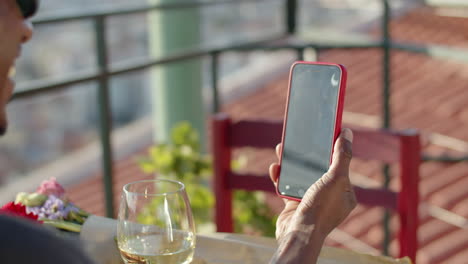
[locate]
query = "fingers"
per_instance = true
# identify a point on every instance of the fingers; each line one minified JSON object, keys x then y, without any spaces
{"x":278,"y":150}
{"x":274,"y":168}
{"x":274,"y":173}
{"x":342,"y":153}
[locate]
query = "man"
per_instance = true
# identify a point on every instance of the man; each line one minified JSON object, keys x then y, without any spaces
{"x":15,"y":30}
{"x":301,"y":227}
{"x":23,"y":241}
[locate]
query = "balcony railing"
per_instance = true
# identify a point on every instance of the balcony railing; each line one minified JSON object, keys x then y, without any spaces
{"x":281,"y":42}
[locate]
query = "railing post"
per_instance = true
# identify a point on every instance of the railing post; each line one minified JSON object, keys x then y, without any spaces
{"x":214,"y":81}
{"x":386,"y":111}
{"x":105,"y":116}
{"x":386,"y":44}
{"x":291,"y":16}
{"x":300,"y":54}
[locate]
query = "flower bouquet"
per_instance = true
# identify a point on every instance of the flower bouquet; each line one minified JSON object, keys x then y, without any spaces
{"x":48,"y":205}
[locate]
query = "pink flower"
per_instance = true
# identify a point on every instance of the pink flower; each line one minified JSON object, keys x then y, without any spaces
{"x":51,"y":187}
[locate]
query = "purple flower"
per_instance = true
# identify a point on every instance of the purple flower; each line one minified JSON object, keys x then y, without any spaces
{"x":53,"y":208}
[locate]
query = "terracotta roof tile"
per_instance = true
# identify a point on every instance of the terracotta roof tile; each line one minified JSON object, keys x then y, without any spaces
{"x":461,"y":209}
{"x":89,"y":194}
{"x":359,"y":225}
{"x":356,"y":213}
{"x":443,"y":30}
{"x":457,"y":190}
{"x":429,"y":169}
{"x":433,"y":230}
{"x":459,"y":257}
{"x":428,"y":94}
{"x":443,"y":178}
{"x":439,"y":250}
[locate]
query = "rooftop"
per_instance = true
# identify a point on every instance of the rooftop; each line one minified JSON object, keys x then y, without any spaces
{"x":427,"y":94}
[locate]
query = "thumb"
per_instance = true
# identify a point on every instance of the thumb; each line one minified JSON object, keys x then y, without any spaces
{"x":342,"y":153}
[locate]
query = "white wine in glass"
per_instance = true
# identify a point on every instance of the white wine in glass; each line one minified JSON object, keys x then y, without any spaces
{"x":155,"y":223}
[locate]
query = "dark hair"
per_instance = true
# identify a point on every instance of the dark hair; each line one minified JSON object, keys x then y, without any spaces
{"x":28,"y":7}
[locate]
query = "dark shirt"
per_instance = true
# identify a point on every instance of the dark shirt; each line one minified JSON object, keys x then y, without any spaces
{"x":23,"y":241}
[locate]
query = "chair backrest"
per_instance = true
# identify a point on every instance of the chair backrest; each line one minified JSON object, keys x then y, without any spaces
{"x":402,"y":148}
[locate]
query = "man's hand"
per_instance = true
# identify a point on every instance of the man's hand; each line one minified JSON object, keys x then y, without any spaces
{"x":325,"y":205}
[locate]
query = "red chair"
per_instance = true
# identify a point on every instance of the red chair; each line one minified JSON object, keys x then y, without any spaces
{"x":402,"y":148}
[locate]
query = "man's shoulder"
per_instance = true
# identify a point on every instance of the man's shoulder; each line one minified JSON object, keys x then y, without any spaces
{"x":27,"y":242}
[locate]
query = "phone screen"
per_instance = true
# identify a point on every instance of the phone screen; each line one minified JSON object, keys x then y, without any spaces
{"x":309,"y":128}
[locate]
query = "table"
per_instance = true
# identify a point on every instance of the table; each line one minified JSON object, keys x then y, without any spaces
{"x":98,"y":235}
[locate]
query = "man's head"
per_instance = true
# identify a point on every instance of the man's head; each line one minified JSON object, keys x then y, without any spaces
{"x":15,"y":30}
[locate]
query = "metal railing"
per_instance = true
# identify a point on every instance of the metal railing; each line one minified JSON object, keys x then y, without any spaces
{"x":104,"y":71}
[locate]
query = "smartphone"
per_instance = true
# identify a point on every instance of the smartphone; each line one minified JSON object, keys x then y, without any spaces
{"x":312,"y":124}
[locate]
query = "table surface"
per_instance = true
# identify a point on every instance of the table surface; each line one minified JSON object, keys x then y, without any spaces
{"x":237,"y":248}
{"x":98,"y":238}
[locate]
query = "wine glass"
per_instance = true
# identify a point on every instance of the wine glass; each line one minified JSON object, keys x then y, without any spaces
{"x":155,"y":223}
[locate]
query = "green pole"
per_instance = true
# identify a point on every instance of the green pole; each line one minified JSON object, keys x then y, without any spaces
{"x":176,"y":87}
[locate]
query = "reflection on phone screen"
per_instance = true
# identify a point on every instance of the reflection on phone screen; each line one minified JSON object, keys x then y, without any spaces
{"x":309,"y":127}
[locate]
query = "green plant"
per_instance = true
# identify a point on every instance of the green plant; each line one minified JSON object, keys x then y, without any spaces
{"x":181,"y":159}
{"x":252,"y":215}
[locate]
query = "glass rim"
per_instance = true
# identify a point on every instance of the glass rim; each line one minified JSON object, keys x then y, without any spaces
{"x":178,"y":183}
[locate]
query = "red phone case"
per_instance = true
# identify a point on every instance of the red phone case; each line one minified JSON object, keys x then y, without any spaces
{"x":339,"y":112}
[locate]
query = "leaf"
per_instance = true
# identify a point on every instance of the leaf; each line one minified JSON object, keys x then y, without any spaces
{"x":181,"y":158}
{"x":183,"y":133}
{"x":147,"y":167}
{"x":60,"y":224}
